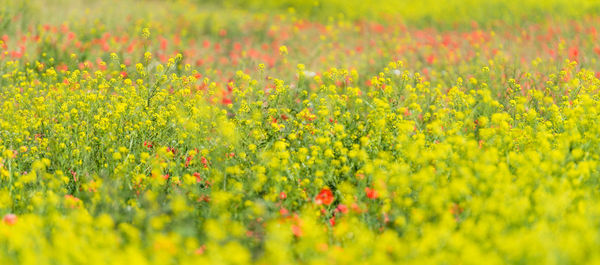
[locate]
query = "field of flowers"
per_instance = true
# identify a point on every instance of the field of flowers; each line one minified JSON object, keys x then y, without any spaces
{"x":310,"y":132}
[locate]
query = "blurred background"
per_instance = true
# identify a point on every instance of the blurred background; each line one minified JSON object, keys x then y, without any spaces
{"x":437,"y":13}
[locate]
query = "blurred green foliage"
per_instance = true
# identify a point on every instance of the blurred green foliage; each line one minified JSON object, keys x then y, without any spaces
{"x":424,"y":12}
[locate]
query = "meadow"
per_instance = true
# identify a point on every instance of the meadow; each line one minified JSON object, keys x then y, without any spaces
{"x":299,"y":132}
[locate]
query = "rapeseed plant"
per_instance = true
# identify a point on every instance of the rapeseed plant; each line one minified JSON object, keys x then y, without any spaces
{"x":307,"y":136}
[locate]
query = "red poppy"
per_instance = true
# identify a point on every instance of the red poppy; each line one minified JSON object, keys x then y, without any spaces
{"x":198,"y":176}
{"x":226,"y":101}
{"x":188,"y":160}
{"x":204,"y":162}
{"x":371,"y":193}
{"x":200,"y":250}
{"x":10,"y":219}
{"x":296,"y":230}
{"x":332,"y":221}
{"x":573,"y":53}
{"x":324,"y":197}
{"x":342,"y":208}
{"x":283,"y":211}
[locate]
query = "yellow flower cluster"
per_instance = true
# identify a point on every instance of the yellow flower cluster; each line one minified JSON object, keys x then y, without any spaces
{"x":280,"y":139}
